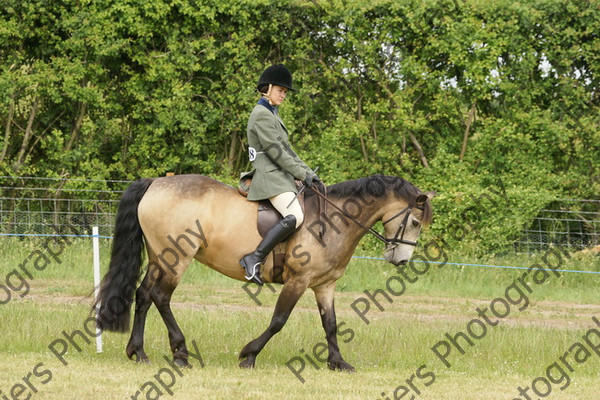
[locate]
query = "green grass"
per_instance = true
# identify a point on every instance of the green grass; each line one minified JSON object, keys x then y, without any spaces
{"x":219,"y":316}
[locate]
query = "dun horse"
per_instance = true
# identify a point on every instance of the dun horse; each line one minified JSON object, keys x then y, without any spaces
{"x":183,"y":217}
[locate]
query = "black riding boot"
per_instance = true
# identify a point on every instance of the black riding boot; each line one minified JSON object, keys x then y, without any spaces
{"x":251,"y":262}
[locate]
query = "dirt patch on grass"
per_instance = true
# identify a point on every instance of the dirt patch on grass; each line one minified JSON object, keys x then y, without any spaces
{"x":421,"y":309}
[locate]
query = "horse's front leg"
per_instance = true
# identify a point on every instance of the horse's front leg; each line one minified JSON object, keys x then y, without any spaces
{"x":290,"y":294}
{"x":324,"y":295}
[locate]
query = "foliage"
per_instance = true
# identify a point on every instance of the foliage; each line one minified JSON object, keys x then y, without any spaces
{"x":454,"y":95}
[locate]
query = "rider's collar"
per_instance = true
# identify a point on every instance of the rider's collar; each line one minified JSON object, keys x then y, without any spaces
{"x":264,"y":102}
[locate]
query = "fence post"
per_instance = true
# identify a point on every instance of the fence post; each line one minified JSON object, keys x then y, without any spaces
{"x":96,"y":247}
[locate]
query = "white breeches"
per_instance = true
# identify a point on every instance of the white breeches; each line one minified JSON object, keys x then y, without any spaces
{"x":281,"y":203}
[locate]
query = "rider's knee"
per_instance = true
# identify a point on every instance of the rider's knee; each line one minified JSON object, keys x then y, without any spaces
{"x":296,"y":219}
{"x":299,"y":219}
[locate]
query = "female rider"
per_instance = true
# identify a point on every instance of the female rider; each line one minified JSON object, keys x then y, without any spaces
{"x":275,"y":164}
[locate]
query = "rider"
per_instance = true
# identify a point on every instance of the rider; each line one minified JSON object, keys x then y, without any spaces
{"x":275,"y":164}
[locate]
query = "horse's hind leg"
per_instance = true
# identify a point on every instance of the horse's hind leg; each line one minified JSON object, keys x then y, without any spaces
{"x":324,"y":295}
{"x":161,"y":295}
{"x":289,"y":296}
{"x":143,"y":301}
{"x":172,"y":264}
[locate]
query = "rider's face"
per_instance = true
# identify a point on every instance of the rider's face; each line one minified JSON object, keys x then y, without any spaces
{"x":277,"y":95}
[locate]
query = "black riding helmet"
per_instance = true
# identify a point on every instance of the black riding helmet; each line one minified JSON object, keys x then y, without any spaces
{"x":276,"y":75}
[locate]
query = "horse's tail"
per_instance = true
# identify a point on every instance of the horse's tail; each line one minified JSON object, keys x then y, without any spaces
{"x":119,"y":283}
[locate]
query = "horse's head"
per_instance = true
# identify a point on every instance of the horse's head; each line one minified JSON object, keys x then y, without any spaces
{"x":403,"y":225}
{"x":400,"y":205}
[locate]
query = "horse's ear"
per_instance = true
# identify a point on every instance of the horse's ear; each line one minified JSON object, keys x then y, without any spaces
{"x":422,"y":198}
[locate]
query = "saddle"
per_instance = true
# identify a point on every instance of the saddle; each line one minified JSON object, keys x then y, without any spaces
{"x":268,"y":217}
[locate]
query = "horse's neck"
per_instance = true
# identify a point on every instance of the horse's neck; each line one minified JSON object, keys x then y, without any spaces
{"x":346,"y":218}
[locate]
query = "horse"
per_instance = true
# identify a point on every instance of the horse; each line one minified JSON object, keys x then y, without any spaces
{"x":184,"y":217}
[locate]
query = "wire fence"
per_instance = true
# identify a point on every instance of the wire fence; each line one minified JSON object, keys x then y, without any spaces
{"x":59,"y":206}
{"x":570,"y":223}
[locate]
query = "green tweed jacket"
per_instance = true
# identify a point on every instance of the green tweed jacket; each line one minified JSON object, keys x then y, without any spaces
{"x":275,"y":164}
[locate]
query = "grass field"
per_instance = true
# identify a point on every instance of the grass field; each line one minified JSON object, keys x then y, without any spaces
{"x":540,"y":345}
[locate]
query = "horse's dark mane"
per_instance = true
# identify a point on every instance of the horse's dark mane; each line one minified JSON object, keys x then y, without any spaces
{"x":378,"y":186}
{"x":375,"y":186}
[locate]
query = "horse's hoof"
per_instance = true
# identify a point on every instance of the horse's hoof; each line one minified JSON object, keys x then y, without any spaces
{"x":138,"y":357}
{"x":340,"y":366}
{"x":247,"y":364}
{"x":182,"y":362}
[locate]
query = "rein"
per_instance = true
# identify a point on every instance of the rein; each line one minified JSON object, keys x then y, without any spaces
{"x":393,"y":241}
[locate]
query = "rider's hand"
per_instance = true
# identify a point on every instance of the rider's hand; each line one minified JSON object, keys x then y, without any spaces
{"x":311,"y":179}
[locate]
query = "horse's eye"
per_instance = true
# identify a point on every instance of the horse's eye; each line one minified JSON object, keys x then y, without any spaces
{"x":415,"y":223}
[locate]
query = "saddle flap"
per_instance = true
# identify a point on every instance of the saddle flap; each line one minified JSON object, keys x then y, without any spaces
{"x":268,"y":217}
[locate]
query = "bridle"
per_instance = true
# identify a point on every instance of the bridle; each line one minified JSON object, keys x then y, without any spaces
{"x":395,"y":241}
{"x":401,"y":229}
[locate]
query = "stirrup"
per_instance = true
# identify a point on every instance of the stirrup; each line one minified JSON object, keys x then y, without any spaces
{"x":255,"y":268}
